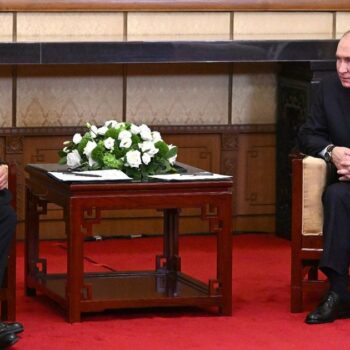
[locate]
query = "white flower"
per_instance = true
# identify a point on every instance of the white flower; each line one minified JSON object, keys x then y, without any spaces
{"x":89,"y":148}
{"x":109,"y":143}
{"x":133,"y":159}
{"x":172,"y":160}
{"x":126,"y":142}
{"x":156,"y":136}
{"x":134,"y":149}
{"x":77,"y":138}
{"x":73,"y":159}
{"x":93,"y":131}
{"x":146,"y":158}
{"x":102,"y":130}
{"x":134,"y":129}
{"x":91,"y":162}
{"x":124,"y":134}
{"x":120,"y":125}
{"x":148,"y":147}
{"x":145,"y":132}
{"x":111,"y":123}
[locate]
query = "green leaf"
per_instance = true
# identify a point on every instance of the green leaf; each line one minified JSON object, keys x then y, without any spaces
{"x":171,"y":153}
{"x":163,"y":148}
{"x":83,"y":144}
{"x":112,"y":132}
{"x":63,"y":160}
{"x":111,"y":162}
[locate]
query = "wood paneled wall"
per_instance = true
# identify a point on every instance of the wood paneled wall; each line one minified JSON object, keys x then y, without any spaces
{"x":245,"y":152}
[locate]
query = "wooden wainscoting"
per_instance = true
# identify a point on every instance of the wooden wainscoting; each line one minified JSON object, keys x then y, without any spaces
{"x":255,"y":197}
{"x":245,"y":152}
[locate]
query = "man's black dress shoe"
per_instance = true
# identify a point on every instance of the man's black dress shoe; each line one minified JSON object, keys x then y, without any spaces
{"x":330,"y":309}
{"x":7,"y":340}
{"x":11,"y":327}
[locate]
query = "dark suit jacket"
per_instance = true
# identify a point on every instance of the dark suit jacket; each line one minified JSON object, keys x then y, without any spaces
{"x":329,"y":120}
{"x":5,"y":197}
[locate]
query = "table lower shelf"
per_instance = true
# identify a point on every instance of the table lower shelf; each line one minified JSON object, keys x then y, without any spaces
{"x":130,"y":290}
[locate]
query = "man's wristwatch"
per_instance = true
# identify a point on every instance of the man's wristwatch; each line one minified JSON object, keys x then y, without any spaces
{"x":328,"y":154}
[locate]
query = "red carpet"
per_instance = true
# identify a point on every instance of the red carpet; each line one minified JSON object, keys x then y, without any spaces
{"x":261,"y":317}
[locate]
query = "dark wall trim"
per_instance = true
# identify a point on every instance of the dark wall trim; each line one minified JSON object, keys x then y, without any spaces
{"x":174,"y":5}
{"x":166,"y":129}
{"x":167,"y":52}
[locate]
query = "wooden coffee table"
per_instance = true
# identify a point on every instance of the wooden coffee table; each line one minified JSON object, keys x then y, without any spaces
{"x":166,"y":285}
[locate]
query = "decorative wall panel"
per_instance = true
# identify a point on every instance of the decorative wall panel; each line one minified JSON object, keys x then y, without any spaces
{"x":178,"y":94}
{"x":256,"y":175}
{"x":178,"y":26}
{"x":68,"y":96}
{"x":6,"y":26}
{"x":254,"y":93}
{"x":342,"y":23}
{"x":5,"y":96}
{"x":69,"y":26}
{"x":282,"y":25}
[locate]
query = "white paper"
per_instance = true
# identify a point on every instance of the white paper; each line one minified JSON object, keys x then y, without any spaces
{"x":191,"y":177}
{"x":100,"y":175}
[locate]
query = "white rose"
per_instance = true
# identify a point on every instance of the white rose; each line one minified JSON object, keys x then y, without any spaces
{"x":120,"y":125}
{"x":65,"y":150}
{"x":146,"y":158}
{"x":145,"y":132}
{"x":77,"y":138}
{"x":89,"y":148}
{"x":172,"y":160}
{"x":133,"y":159}
{"x":111,"y":123}
{"x":73,"y":159}
{"x":109,"y":143}
{"x":134,"y":129}
{"x":148,"y":146}
{"x":156,"y":136}
{"x":124,"y":134}
{"x":102,"y":130}
{"x":125,"y":142}
{"x":91,"y":162}
{"x":93,"y":131}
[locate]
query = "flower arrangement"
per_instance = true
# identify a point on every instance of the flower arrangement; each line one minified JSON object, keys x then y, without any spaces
{"x":136,"y":150}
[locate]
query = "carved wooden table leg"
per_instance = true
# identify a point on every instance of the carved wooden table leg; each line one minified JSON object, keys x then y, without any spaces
{"x":224,"y":262}
{"x":171,"y":240}
{"x":31,"y":240}
{"x":75,"y":268}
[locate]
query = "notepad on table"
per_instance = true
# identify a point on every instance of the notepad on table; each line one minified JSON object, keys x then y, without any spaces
{"x":90,"y":175}
{"x":191,"y":177}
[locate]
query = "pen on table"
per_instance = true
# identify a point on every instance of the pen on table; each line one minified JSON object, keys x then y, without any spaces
{"x":200,"y":173}
{"x":80,"y":174}
{"x":203,"y":173}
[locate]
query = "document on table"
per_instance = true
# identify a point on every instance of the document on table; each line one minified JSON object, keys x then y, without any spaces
{"x":90,"y":175}
{"x":191,"y":177}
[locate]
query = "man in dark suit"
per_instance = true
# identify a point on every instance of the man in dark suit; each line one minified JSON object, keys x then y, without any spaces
{"x":326,"y":133}
{"x":8,"y":331}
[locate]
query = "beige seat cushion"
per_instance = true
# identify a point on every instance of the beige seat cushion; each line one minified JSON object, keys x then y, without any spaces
{"x":314,"y":182}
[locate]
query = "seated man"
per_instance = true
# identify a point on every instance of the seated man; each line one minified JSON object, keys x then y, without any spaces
{"x":326,"y":134}
{"x":8,"y":331}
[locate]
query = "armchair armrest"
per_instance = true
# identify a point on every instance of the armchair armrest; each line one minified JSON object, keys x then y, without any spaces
{"x":314,"y":180}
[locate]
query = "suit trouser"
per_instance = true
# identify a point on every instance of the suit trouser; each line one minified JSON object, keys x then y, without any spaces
{"x":7,"y":229}
{"x":336,"y":228}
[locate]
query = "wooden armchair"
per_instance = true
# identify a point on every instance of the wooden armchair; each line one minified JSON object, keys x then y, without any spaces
{"x":309,"y":178}
{"x":8,"y":288}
